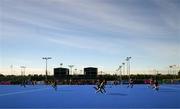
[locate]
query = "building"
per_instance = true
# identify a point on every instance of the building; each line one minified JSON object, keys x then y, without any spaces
{"x":61,"y":72}
{"x":90,"y":72}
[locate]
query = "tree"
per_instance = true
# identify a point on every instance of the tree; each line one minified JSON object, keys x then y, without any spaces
{"x":1,"y":75}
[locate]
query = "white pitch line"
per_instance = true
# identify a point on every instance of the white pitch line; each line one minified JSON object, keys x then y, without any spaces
{"x":13,"y":93}
{"x":170,"y":87}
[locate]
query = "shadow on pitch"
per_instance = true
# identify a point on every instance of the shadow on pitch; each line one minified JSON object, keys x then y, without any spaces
{"x":117,"y":94}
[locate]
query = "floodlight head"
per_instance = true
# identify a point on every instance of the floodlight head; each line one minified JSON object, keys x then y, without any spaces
{"x":128,"y":58}
{"x":123,"y":63}
{"x":46,"y":58}
{"x":23,"y":67}
{"x":71,"y":66}
{"x":49,"y":58}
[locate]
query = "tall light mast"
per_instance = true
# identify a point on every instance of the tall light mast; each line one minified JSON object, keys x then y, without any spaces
{"x":71,"y":66}
{"x":128,"y":66}
{"x":46,"y":59}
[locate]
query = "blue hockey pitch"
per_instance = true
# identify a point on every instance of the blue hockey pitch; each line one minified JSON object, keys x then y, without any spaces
{"x":84,"y":96}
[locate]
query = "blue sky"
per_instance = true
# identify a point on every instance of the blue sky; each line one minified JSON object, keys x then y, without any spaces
{"x":99,"y":33}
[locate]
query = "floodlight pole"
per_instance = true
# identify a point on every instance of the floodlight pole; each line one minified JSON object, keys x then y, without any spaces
{"x":128,"y":66}
{"x":23,"y":70}
{"x":123,"y":65}
{"x":71,"y":66}
{"x":11,"y":69}
{"x":81,"y":71}
{"x":46,"y":58}
{"x":170,"y":69}
{"x":120,"y":69}
{"x":174,"y":71}
{"x":75,"y":71}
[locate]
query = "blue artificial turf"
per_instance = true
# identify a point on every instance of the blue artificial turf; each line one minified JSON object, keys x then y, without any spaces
{"x":84,"y":96}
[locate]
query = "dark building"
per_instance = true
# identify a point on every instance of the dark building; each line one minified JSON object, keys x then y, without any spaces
{"x":90,"y":71}
{"x":61,"y":72}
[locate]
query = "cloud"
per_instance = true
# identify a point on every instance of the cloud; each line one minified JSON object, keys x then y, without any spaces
{"x":97,"y":16}
{"x":126,"y":17}
{"x":141,"y":28}
{"x":82,"y":42}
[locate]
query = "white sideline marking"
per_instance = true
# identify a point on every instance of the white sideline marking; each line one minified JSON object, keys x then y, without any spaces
{"x":13,"y":93}
{"x":170,"y":87}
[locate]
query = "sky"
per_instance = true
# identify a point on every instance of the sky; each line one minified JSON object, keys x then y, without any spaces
{"x":83,"y":33}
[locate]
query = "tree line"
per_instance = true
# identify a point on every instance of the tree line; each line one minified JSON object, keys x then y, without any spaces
{"x":138,"y":78}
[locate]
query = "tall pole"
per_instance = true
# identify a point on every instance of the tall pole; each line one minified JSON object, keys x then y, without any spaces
{"x":174,"y":71}
{"x":170,"y":69}
{"x":71,"y":66}
{"x":123,"y":72}
{"x":46,"y":58}
{"x":120,"y":70}
{"x":81,"y":71}
{"x":75,"y":71}
{"x":23,"y":73}
{"x":128,"y":66}
{"x":123,"y":65}
{"x":23,"y":70}
{"x":11,"y":69}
